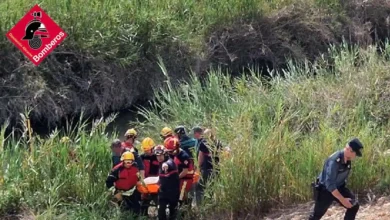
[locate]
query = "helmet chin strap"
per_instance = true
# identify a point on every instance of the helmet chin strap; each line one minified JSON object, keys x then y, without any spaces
{"x":131,"y":163}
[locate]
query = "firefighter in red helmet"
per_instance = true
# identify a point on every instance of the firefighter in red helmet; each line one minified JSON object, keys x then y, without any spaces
{"x":185,"y":167}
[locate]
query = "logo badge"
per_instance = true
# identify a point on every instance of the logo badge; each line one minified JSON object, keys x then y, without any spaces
{"x":36,"y":35}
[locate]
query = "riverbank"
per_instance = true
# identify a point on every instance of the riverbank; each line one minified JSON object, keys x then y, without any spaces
{"x":280,"y":131}
{"x":108,"y":60}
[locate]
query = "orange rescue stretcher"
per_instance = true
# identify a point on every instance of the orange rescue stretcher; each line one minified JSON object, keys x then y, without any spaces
{"x":149,"y":191}
{"x":152,"y":186}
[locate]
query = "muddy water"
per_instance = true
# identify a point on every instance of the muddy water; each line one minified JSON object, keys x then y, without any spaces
{"x":121,"y":123}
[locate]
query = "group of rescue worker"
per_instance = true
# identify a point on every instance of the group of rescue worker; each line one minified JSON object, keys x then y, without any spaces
{"x":173,"y":162}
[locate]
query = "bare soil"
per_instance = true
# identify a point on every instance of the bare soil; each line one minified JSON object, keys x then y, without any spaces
{"x":378,"y":209}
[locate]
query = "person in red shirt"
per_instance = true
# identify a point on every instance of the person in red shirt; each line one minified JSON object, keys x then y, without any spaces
{"x":185,"y":167}
{"x":122,"y":180}
{"x":129,"y":142}
{"x":148,"y":158}
{"x":128,"y":145}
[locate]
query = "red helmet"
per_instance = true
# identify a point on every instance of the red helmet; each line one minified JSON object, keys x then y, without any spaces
{"x":172,"y":144}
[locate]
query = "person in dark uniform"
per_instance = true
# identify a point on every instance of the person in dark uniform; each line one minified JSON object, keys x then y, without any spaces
{"x":169,"y":190}
{"x":205,"y":163}
{"x":216,"y":149}
{"x":187,"y":143}
{"x":184,"y":165}
{"x":331,"y":183}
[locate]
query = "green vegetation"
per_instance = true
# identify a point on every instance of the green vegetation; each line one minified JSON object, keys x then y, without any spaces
{"x":51,"y":182}
{"x":124,"y":28}
{"x":112,"y":48}
{"x":280,"y":132}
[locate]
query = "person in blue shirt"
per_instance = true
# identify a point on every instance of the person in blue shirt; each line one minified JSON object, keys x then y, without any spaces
{"x":331,"y":183}
{"x":187,"y":143}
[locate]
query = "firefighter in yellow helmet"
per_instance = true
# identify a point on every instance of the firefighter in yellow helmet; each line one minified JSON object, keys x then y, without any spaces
{"x":122,"y":180}
{"x":148,"y":158}
{"x":166,"y":132}
{"x":128,"y":145}
{"x":130,"y":137}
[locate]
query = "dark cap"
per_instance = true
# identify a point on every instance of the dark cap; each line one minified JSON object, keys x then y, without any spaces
{"x":197,"y":129}
{"x":180,"y":130}
{"x":356,"y":146}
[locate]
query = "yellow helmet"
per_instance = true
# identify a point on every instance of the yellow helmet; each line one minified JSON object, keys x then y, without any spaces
{"x":131,"y":132}
{"x":166,"y":131}
{"x":127,"y":156}
{"x":147,"y":144}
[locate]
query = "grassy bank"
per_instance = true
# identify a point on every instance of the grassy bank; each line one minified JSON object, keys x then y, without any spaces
{"x":110,"y":54}
{"x":280,"y":132}
{"x":109,"y":26}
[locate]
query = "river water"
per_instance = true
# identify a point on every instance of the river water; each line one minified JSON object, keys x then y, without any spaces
{"x":119,"y":125}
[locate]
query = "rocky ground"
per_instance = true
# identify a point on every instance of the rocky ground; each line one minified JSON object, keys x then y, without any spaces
{"x":378,"y":209}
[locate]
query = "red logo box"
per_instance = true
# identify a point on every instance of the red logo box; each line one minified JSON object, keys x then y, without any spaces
{"x":36,"y":35}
